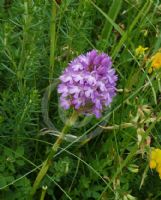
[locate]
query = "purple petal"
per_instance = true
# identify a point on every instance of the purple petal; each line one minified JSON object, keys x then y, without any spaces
{"x":77,"y":67}
{"x":66,"y":78}
{"x":65,"y":103}
{"x":74,"y":89}
{"x":97,"y":113}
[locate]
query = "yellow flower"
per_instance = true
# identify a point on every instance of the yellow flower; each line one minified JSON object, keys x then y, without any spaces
{"x":158,"y":169}
{"x":158,"y":156}
{"x":156,"y":60}
{"x":155,"y":160}
{"x":140,"y":50}
{"x":153,"y":154}
{"x":152,"y":164}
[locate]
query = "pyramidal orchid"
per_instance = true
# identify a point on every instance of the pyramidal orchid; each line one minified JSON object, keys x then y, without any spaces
{"x":88,"y":84}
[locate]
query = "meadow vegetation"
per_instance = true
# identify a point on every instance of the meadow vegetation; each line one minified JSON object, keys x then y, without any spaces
{"x":115,"y":157}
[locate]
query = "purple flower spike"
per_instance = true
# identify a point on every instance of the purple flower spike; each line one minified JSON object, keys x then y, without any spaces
{"x":88,"y":84}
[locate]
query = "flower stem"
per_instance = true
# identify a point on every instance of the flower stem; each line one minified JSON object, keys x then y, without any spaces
{"x":46,"y":164}
{"x":44,"y":189}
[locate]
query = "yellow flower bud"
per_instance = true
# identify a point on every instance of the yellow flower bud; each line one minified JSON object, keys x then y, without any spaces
{"x":140,"y":50}
{"x":150,"y":70}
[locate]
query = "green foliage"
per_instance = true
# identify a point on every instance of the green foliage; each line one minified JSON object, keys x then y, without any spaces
{"x":37,"y":40}
{"x":19,"y":110}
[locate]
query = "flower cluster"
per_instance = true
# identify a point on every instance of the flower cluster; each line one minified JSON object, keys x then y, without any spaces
{"x":88,"y":83}
{"x":155,"y":160}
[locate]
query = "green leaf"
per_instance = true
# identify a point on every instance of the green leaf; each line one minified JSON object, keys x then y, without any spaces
{"x":2,"y":167}
{"x":20,"y":162}
{"x":3,"y":181}
{"x":19,"y":152}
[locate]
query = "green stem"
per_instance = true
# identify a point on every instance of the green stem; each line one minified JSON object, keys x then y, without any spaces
{"x":44,"y":188}
{"x":46,"y":164}
{"x":113,"y":12}
{"x":159,"y":83}
{"x":115,"y":126}
{"x":52,"y":39}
